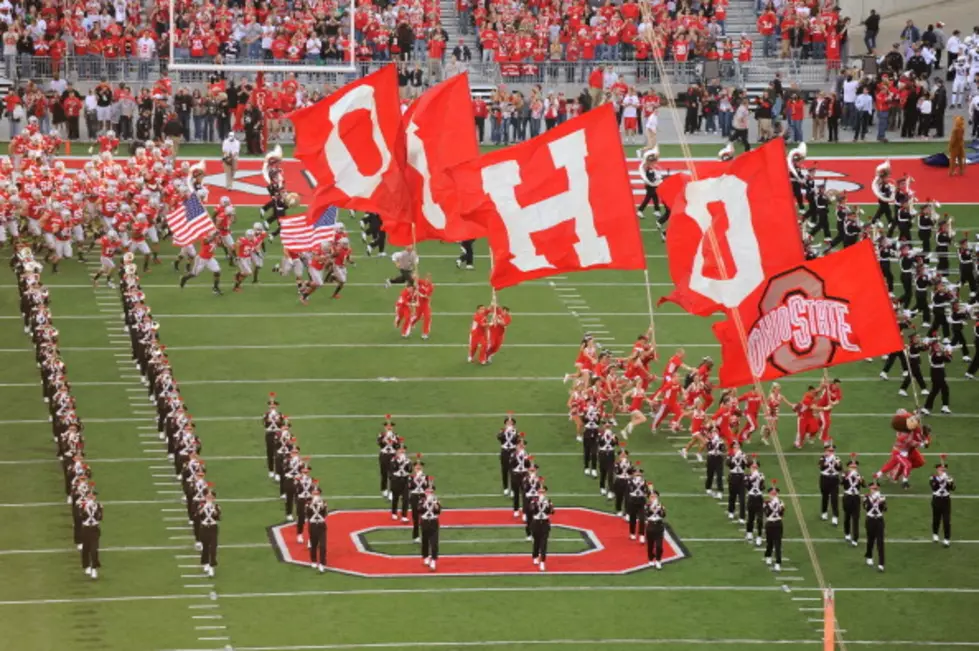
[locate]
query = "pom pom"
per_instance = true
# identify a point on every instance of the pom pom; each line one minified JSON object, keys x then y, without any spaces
{"x":387,"y":416}
{"x":622,"y":444}
{"x":521,"y":435}
{"x":271,"y":394}
{"x":638,"y":463}
{"x":418,"y":455}
{"x":853,"y":455}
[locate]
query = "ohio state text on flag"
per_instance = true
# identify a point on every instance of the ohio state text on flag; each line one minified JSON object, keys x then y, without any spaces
{"x":347,"y":142}
{"x":749,"y":206}
{"x":437,"y":135}
{"x":824,"y":312}
{"x":559,"y":202}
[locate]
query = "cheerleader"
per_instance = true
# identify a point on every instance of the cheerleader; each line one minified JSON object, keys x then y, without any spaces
{"x":773,"y":402}
{"x":586,"y":360}
{"x":637,"y":398}
{"x":698,"y":430}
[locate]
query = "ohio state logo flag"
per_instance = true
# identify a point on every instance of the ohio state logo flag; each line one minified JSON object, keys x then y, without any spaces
{"x":821,"y":313}
{"x":348,"y":140}
{"x":747,"y":206}
{"x":559,"y":202}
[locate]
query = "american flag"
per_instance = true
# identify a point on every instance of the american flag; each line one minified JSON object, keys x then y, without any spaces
{"x":190,"y":222}
{"x":299,"y":236}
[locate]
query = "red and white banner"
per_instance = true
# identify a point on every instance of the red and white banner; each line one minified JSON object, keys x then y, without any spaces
{"x":559,"y":202}
{"x":437,"y":135}
{"x":731,"y":230}
{"x":820,"y":313}
{"x":347,"y":141}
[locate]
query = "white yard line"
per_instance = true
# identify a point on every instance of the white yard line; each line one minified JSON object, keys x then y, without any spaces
{"x":304,"y":345}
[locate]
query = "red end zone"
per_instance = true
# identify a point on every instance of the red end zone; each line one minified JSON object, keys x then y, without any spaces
{"x":852,"y":175}
{"x":610,"y":550}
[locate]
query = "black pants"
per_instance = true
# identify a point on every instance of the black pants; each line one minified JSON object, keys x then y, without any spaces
{"x":736,"y":492}
{"x":941,"y":513}
{"x":466,"y":258}
{"x":480,"y":128}
{"x":741,"y":135}
{"x":895,"y":357}
{"x":90,"y":547}
{"x":938,"y":384}
{"x":715,"y":472}
{"x":654,"y":541}
{"x":914,"y":372}
{"x":430,"y":539}
{"x":505,"y":457}
{"x":833,"y":125}
{"x":403,"y":277}
{"x":384,"y":463}
{"x":922,"y":306}
{"x":317,"y":543}
{"x":773,"y":540}
{"x":822,"y":224}
{"x":209,"y":542}
{"x":940,"y":320}
{"x":290,"y":486}
{"x":301,"y":514}
{"x":414,"y":499}
{"x":829,"y":488}
{"x":589,"y":448}
{"x":755,"y":518}
{"x":967,"y":276}
{"x":541,"y":531}
{"x":863,"y":124}
{"x":974,"y":366}
{"x":619,"y":490}
{"x":885,"y":269}
{"x":399,"y":494}
{"x":634,"y":508}
{"x":925,"y":237}
{"x":516,"y":485}
{"x":605,"y":462}
{"x":906,"y":283}
{"x":958,"y":339}
{"x":875,"y":536}
{"x":650,"y":196}
{"x":883,"y":210}
{"x":851,"y":516}
{"x":73,"y":130}
{"x":270,"y":450}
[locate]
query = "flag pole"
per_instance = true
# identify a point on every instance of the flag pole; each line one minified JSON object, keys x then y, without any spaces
{"x":735,"y":315}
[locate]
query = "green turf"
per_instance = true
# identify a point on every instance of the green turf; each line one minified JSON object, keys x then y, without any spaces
{"x":332,"y":365}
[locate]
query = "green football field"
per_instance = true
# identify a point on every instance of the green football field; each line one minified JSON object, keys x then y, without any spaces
{"x":338,"y":367}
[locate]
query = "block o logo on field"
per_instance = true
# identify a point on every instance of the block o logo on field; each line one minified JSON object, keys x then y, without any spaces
{"x":607,"y":548}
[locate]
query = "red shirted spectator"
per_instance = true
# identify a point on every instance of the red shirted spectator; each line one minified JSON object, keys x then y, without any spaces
{"x":681,"y":49}
{"x":279,"y":47}
{"x":744,"y":53}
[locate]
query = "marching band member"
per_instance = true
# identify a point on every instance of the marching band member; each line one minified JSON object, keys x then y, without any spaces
{"x":541,"y":510}
{"x":622,"y":471}
{"x":431,"y":509}
{"x":884,"y":190}
{"x":399,"y":470}
{"x":830,"y":468}
{"x":316,"y":513}
{"x":530,"y":489}
{"x":774,"y":511}
{"x":655,"y":516}
{"x":508,"y":438}
{"x":589,"y":440}
{"x":91,"y":527}
{"x":716,"y":452}
{"x":303,"y":490}
{"x":637,"y":492}
{"x":852,"y":483}
{"x":417,"y":485}
{"x":756,"y":497}
{"x":942,"y":487}
{"x":959,"y":316}
{"x":938,"y":356}
{"x":209,"y":516}
{"x":913,"y":350}
{"x":798,"y":175}
{"x":388,"y":443}
{"x":608,"y":442}
{"x":967,"y":268}
{"x":652,"y":178}
{"x":875,"y":505}
{"x":737,"y":461}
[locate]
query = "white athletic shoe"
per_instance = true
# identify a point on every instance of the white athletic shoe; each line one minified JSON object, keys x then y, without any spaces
{"x":290,"y":518}
{"x":404,"y":519}
{"x":835,"y":521}
{"x":322,"y":568}
{"x":524,"y":517}
{"x":542,"y":567}
{"x":934,"y":537}
{"x":642,"y":539}
{"x":394,"y":516}
{"x":79,"y":545}
{"x":847,"y":537}
{"x":659,"y":565}
{"x":578,"y":439}
{"x":529,"y":538}
{"x":925,"y":411}
{"x":730,"y":516}
{"x":601,"y":491}
{"x":427,"y":561}
{"x":594,"y":472}
{"x":88,"y":571}
{"x":516,"y":514}
{"x":95,"y":572}
{"x":683,"y":452}
{"x":198,"y":546}
{"x":719,"y":495}
{"x":777,"y":568}
{"x":970,"y":376}
{"x":709,"y":492}
{"x":206,"y":569}
{"x":925,"y":392}
{"x":740,"y":520}
{"x":947,"y":542}
{"x":536,"y":561}
{"x":902,"y":393}
{"x":883,"y":375}
{"x":700,"y":458}
{"x":880,"y":568}
{"x":68,"y":500}
{"x":870,"y":562}
{"x":278,"y":477}
{"x":946,"y":410}
{"x":416,"y":540}
{"x":749,"y":536}
{"x":299,"y":539}
{"x":758,"y":541}
{"x":966,"y":358}
{"x":853,"y":543}
{"x":632,"y":536}
{"x":587,"y":472}
{"x":432,"y":565}
{"x":824,"y":517}
{"x":768,"y":560}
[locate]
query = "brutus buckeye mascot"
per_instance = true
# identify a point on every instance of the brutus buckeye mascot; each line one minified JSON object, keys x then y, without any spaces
{"x":905,"y":455}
